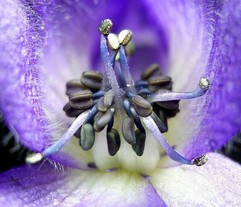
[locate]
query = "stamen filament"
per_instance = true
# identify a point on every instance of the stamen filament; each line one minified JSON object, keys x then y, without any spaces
{"x":151,"y":125}
{"x":120,"y":76}
{"x":125,"y":67}
{"x":67,"y":135}
{"x":109,"y":71}
{"x":170,"y":96}
{"x":110,"y":74}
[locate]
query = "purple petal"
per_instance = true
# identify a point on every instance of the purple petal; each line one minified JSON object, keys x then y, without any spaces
{"x":222,"y":107}
{"x":48,"y":186}
{"x":217,"y":183}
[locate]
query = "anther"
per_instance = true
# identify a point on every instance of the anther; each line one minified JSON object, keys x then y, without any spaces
{"x":106,"y":101}
{"x":137,"y":120}
{"x":87,"y":137}
{"x":113,"y":142}
{"x":128,"y":130}
{"x":74,"y":86}
{"x":150,"y":71}
{"x":113,"y":41}
{"x":200,"y":160}
{"x":105,"y":26}
{"x":102,"y":120}
{"x":124,"y":37}
{"x":72,"y":112}
{"x":101,"y":106}
{"x":171,"y":105}
{"x":159,"y":80}
{"x":80,"y":95}
{"x":142,"y":107}
{"x":162,"y":126}
{"x":109,"y":98}
{"x":92,"y":79}
{"x":81,"y":100}
{"x":163,"y":120}
{"x":204,"y":83}
{"x":33,"y":158}
{"x":139,"y":146}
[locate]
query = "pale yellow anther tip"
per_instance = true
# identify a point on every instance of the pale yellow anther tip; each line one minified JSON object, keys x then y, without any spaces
{"x":33,"y":158}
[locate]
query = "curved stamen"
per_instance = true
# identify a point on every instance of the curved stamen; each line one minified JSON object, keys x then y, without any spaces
{"x":170,"y":96}
{"x":113,"y":57}
{"x":109,"y":71}
{"x":151,"y":125}
{"x":120,"y":76}
{"x":110,"y":74}
{"x":125,"y":67}
{"x":67,"y":135}
{"x":79,"y":121}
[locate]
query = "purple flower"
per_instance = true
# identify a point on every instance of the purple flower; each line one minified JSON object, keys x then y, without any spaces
{"x":46,"y":43}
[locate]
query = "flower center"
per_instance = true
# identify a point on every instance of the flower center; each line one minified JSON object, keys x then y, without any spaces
{"x":121,"y":109}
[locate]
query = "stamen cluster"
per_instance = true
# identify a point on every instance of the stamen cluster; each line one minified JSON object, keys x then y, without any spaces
{"x":114,"y":102}
{"x":89,"y":92}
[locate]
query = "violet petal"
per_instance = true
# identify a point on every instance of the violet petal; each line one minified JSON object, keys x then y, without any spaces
{"x":50,"y":186}
{"x":222,"y":107}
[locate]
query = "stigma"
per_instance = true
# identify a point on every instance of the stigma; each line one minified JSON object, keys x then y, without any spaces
{"x":127,"y":111}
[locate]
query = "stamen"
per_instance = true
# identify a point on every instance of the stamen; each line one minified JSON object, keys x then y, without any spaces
{"x":81,"y":100}
{"x":139,"y":146}
{"x":120,"y":76}
{"x":157,"y":80}
{"x":92,"y":80}
{"x":151,"y":125}
{"x":137,"y":120}
{"x":106,"y":101}
{"x":33,"y":158}
{"x":169,"y":96}
{"x":128,"y":130}
{"x":124,"y":37}
{"x":68,"y":134}
{"x":110,"y":74}
{"x":87,"y":137}
{"x":113,"y":41}
{"x":200,"y":160}
{"x":115,"y":94}
{"x":102,"y":120}
{"x":113,"y":142}
{"x":74,"y":86}
{"x":125,"y":67}
{"x":105,"y":26}
{"x":71,"y":112}
{"x":150,"y":71}
{"x":143,"y":108}
{"x":162,"y":126}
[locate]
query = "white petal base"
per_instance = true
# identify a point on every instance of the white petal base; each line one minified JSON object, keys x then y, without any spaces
{"x":215,"y":184}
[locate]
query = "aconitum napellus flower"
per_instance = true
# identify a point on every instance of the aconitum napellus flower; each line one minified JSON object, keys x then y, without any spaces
{"x":128,"y":97}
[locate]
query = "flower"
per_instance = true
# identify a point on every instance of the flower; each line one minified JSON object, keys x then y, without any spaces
{"x":46,"y":43}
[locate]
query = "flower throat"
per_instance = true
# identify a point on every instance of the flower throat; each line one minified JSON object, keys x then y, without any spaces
{"x":124,"y":108}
